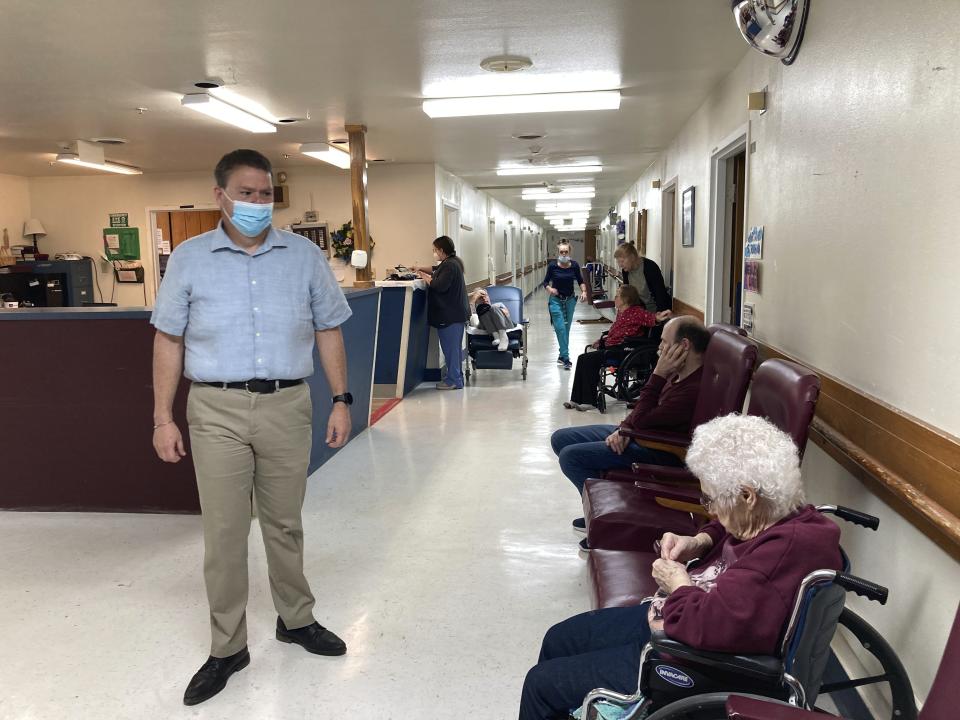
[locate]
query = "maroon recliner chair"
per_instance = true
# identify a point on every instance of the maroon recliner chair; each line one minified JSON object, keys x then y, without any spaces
{"x":942,"y":702}
{"x":783,"y":392}
{"x":727,"y":367}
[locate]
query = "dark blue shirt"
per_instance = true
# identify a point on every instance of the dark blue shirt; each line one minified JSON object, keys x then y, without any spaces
{"x":563,"y":278}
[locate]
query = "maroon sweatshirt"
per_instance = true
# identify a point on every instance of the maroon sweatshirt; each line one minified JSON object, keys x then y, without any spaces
{"x":747,"y":608}
{"x":665,"y":406}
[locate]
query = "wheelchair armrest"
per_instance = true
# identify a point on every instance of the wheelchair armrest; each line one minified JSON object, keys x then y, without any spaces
{"x":744,"y":708}
{"x":603,"y":304}
{"x":655,"y":474}
{"x":760,"y":667}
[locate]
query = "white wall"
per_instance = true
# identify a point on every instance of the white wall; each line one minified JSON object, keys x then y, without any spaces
{"x":854,"y":178}
{"x":15,"y":210}
{"x":476,"y":210}
{"x":75,"y":209}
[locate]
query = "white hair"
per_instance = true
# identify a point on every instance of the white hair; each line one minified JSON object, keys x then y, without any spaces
{"x":737,"y":451}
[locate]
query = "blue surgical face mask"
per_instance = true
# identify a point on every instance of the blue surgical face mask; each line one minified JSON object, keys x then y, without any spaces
{"x":250,"y":219}
{"x":564,"y":259}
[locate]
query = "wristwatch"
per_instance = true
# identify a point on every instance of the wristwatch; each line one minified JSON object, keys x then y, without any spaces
{"x":345,"y":398}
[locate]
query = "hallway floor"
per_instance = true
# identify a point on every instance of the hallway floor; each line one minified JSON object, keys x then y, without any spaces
{"x":438,"y":545}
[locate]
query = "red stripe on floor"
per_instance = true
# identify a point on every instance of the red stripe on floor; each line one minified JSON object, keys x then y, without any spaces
{"x":383,"y":410}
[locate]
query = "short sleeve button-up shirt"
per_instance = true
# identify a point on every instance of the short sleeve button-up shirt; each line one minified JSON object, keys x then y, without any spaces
{"x":244,"y":316}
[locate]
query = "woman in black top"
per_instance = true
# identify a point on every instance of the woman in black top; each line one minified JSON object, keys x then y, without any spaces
{"x":559,"y":282}
{"x":447,"y":308}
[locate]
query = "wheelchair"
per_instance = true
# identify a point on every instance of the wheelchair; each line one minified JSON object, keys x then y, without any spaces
{"x":625,"y":368}
{"x":482,"y":353}
{"x":677,"y":682}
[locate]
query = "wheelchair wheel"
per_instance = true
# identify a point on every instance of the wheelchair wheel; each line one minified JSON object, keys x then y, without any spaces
{"x":708,"y":706}
{"x":633,"y":373}
{"x":892,"y":672}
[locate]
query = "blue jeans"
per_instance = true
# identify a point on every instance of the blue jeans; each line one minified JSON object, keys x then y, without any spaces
{"x":595,"y":649}
{"x":451,"y":343}
{"x":561,"y":315}
{"x":583,"y":453}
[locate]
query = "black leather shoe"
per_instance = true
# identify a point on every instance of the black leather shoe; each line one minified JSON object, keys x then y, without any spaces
{"x":212,"y":677}
{"x":314,"y":638}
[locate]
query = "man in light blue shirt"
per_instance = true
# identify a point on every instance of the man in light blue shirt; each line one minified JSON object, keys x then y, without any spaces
{"x":237,"y":313}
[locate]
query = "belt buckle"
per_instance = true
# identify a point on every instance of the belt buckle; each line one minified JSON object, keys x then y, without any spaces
{"x":268,"y":387}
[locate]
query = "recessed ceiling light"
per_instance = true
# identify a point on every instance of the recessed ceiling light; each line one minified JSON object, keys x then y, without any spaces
{"x":506,"y":63}
{"x":522,"y":104}
{"x":550,"y":170}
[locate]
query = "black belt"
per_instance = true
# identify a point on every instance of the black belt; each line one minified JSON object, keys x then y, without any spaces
{"x":255,"y":386}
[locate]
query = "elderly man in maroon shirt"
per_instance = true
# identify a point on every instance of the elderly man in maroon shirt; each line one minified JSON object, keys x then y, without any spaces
{"x":665,"y":403}
{"x":736,"y":599}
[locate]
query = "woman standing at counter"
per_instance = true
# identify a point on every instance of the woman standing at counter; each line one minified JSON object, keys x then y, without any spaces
{"x":447,"y":308}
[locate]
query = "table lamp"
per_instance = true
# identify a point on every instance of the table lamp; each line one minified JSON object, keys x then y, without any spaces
{"x":33,"y":228}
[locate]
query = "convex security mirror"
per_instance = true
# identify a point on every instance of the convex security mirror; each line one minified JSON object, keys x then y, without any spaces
{"x":773,"y":27}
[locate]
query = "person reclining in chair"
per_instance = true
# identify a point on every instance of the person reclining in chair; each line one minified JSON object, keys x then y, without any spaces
{"x":492,"y":318}
{"x":762,"y":541}
{"x":666,"y":403}
{"x":632,"y":320}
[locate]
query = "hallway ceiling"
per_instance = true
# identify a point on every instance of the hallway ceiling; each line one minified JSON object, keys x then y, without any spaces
{"x":81,"y":70}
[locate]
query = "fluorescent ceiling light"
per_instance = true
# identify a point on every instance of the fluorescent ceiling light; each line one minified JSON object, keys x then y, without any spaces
{"x":572,"y":229}
{"x":522,"y":104}
{"x":568,"y":216}
{"x":521,"y":83}
{"x":550,"y":170}
{"x":74,"y":159}
{"x":562,"y":207}
{"x":566,"y":195}
{"x":244,"y":103}
{"x":225,"y":112}
{"x":327,"y":153}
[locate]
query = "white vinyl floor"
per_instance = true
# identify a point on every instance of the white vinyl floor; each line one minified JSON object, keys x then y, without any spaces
{"x":438,"y":545}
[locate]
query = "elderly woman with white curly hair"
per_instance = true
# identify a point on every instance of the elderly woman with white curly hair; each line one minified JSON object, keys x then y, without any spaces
{"x":762,"y":541}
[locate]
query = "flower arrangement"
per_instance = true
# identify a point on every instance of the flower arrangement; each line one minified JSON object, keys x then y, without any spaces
{"x":342,"y":241}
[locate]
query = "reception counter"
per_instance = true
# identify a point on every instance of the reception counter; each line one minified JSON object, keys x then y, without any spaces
{"x":76,"y":408}
{"x":402,"y":338}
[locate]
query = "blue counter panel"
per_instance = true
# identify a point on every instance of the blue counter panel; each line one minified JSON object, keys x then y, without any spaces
{"x":359,"y":338}
{"x":418,"y":343}
{"x":389,"y":334}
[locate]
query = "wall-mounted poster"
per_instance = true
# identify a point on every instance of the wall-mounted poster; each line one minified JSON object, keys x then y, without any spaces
{"x":753,"y":250}
{"x":751,"y":276}
{"x":688,"y":207}
{"x":746,"y":322}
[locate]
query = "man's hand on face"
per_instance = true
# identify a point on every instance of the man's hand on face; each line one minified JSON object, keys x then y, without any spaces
{"x":671,"y":361}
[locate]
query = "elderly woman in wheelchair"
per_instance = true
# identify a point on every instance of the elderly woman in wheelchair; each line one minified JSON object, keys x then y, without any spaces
{"x":629,"y":331}
{"x":730,"y":590}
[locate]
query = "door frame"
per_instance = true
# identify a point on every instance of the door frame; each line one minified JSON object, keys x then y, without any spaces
{"x":733,"y":144}
{"x":668,"y":233}
{"x":151,"y":213}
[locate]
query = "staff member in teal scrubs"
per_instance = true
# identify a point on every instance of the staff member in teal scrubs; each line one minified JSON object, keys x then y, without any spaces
{"x":238,"y":312}
{"x":559,"y":282}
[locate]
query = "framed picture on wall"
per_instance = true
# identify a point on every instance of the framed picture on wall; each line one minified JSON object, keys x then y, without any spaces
{"x":687,"y":210}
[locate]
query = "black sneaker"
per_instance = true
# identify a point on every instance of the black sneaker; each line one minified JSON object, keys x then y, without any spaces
{"x":212,"y":677}
{"x":584,"y":546}
{"x":580,"y":525}
{"x":560,"y":360}
{"x":567,"y":365}
{"x":313,"y":638}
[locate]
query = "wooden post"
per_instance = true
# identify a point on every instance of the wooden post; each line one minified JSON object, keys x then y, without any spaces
{"x":358,"y":191}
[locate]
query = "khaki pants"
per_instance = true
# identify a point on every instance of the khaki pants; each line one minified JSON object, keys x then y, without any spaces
{"x":247,"y":444}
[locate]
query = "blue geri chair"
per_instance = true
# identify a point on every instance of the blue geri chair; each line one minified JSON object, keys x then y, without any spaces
{"x":482,"y":353}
